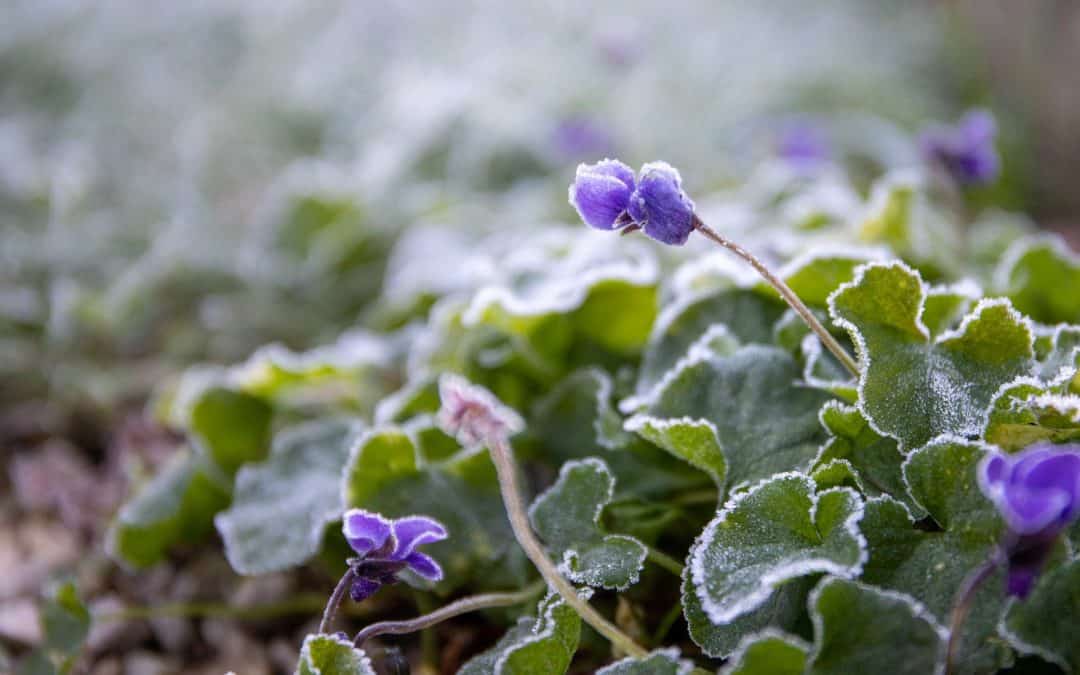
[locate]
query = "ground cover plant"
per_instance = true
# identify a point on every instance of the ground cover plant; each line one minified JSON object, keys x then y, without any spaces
{"x":809,"y":409}
{"x":598,"y":445}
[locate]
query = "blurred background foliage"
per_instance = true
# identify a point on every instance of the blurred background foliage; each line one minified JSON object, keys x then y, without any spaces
{"x":190,"y":181}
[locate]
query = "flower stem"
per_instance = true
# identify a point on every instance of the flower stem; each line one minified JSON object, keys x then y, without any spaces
{"x":664,"y":560}
{"x":785,"y":292}
{"x":965,"y":596}
{"x":335,"y":599}
{"x":519,"y":521}
{"x":456,"y":608}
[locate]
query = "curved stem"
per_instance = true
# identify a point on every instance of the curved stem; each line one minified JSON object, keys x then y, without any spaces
{"x":786,"y":293}
{"x":965,"y":595}
{"x":335,"y":599}
{"x":664,"y":560}
{"x":519,"y":522}
{"x":456,"y":608}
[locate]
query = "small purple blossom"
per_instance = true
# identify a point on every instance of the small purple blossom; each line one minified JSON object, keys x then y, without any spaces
{"x":386,"y":547}
{"x":964,"y":150}
{"x":607,"y":197}
{"x":577,"y":136}
{"x":1037,"y":492}
{"x":803,"y":147}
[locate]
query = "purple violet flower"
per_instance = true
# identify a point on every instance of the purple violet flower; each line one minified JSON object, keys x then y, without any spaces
{"x":576,"y":136}
{"x":1037,"y":492}
{"x":607,"y":197}
{"x":964,"y":150}
{"x":803,"y":147}
{"x":386,"y":547}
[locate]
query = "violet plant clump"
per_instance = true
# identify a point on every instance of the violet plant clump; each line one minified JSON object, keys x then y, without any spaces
{"x":964,"y":150}
{"x":1037,"y":492}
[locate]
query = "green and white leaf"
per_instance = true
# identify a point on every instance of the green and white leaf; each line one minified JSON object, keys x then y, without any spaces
{"x":876,"y":460}
{"x":541,"y":646}
{"x":1029,"y":411}
{"x":763,"y":423}
{"x":660,"y":662}
{"x":567,"y":518}
{"x":1045,"y":622}
{"x":230,"y":427}
{"x":930,"y":565}
{"x":177,"y":506}
{"x":777,"y":531}
{"x":281,"y":507}
{"x":770,"y":652}
{"x":329,"y":655}
{"x":1040,"y":275}
{"x":914,"y":387}
{"x":859,"y":628}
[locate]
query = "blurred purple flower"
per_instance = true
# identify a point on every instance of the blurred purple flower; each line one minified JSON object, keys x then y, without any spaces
{"x":1037,"y":492}
{"x":964,"y":150}
{"x":386,"y":547}
{"x":607,"y":197}
{"x":803,"y":146}
{"x":576,"y":137}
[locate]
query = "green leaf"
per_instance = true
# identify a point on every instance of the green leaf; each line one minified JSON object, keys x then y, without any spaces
{"x":1045,"y":622}
{"x":769,"y":653}
{"x":784,"y":610}
{"x":572,"y":296}
{"x":1062,"y":359}
{"x":814,"y":276}
{"x":912,"y":387}
{"x":693,"y":441}
{"x":1040,"y":275}
{"x":176,"y":507}
{"x":764,"y":423}
{"x":1029,"y":411}
{"x":567,"y":518}
{"x":659,"y":662}
{"x":542,"y":646}
{"x":777,"y":531}
{"x":930,"y":563}
{"x":282,"y":506}
{"x":329,"y":655}
{"x":876,"y":460}
{"x":859,"y":628}
{"x":946,"y":305}
{"x":717,"y":320}
{"x":230,"y":427}
{"x":576,"y":420}
{"x":387,"y":473}
{"x":349,"y":372}
{"x":65,"y":624}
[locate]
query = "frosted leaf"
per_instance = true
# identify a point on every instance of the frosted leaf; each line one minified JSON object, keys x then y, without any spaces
{"x":543,"y":645}
{"x":567,"y":518}
{"x":1040,"y":274}
{"x":929,"y":564}
{"x":763,"y":421}
{"x":1028,"y":410}
{"x":859,"y":628}
{"x":330,"y":655}
{"x":281,"y":507}
{"x":660,"y":662}
{"x":875,"y":460}
{"x":914,"y":387}
{"x":776,"y":531}
{"x":1045,"y":622}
